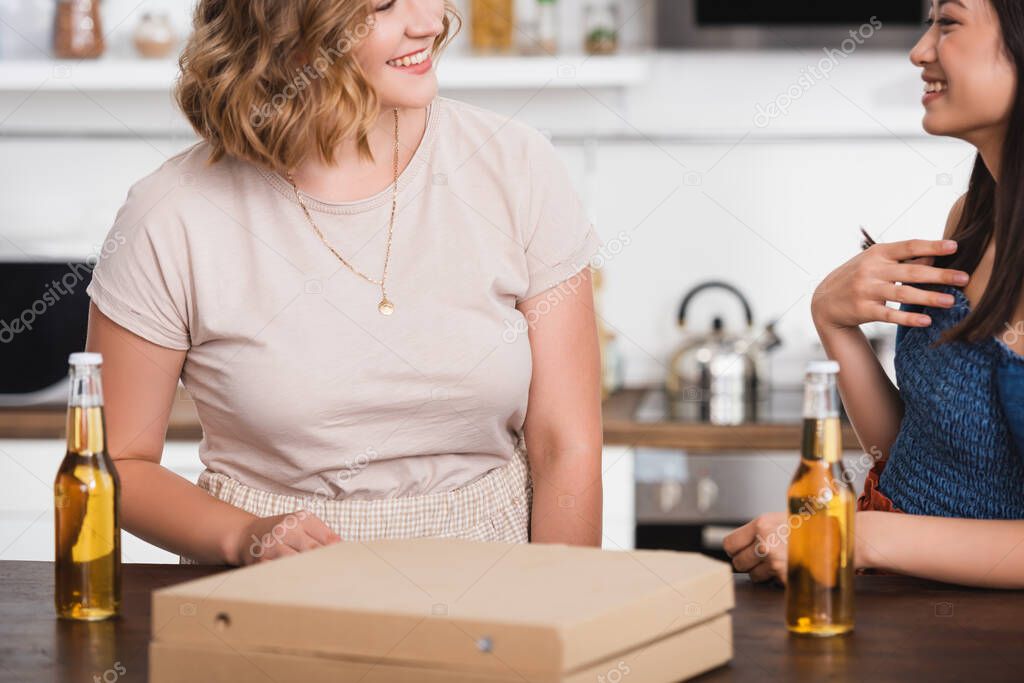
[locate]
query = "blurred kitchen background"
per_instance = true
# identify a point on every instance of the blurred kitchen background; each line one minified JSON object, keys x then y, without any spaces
{"x":740,"y":144}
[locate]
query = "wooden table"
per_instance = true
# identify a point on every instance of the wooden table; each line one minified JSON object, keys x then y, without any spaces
{"x":907,"y":630}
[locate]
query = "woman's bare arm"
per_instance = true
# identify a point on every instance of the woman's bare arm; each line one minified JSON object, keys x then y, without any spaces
{"x":987,"y":553}
{"x":856,"y":293}
{"x":870,"y":399}
{"x":563,"y":422}
{"x":972,"y":552}
{"x":139,"y":384}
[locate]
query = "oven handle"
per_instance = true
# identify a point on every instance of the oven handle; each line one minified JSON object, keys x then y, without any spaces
{"x":711,"y":536}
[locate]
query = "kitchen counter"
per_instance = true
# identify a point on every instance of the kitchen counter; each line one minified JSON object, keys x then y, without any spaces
{"x":907,"y":629}
{"x":48,"y":422}
{"x":621,"y":428}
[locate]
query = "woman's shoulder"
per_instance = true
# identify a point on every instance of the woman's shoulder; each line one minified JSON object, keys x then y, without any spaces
{"x":955,"y":213}
{"x":180,"y":188}
{"x":189,"y":168}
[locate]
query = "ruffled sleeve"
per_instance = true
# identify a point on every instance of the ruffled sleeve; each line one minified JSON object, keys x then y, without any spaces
{"x":1010,"y":383}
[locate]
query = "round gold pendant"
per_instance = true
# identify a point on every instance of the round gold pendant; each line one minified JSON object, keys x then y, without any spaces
{"x":385,"y":307}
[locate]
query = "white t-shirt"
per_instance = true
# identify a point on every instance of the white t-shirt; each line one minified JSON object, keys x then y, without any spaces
{"x":300,"y":384}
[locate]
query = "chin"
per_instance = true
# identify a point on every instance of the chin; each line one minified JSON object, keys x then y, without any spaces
{"x":934,"y":125}
{"x":416,"y":97}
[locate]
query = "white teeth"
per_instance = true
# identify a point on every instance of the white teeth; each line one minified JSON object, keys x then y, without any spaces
{"x":417,"y":58}
{"x":935,"y":86}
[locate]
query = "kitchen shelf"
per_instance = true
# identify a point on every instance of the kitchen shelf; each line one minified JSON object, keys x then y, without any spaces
{"x":620,"y":428}
{"x":455,"y":72}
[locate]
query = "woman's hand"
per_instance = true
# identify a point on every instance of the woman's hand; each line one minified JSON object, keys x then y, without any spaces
{"x":267,"y":538}
{"x":857,"y":291}
{"x":758,"y":548}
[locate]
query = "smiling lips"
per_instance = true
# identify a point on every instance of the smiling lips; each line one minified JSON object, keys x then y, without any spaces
{"x":933,"y":89}
{"x":414,"y":62}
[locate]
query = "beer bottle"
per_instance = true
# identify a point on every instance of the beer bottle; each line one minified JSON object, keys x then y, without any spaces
{"x":86,"y":505}
{"x":819,"y":586}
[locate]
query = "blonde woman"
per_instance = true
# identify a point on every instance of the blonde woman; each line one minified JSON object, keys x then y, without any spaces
{"x":377,"y":298}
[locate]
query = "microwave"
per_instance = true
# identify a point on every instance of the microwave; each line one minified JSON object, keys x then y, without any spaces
{"x":793,"y":24}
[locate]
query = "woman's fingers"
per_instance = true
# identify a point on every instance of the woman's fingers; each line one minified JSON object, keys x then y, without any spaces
{"x":909,"y":272}
{"x":898,"y":317}
{"x":316,"y":528}
{"x":301,"y":541}
{"x":750,"y":557}
{"x":762,"y":572}
{"x":283,"y":550}
{"x":739,"y":539}
{"x":909,"y":249}
{"x":905,"y":294}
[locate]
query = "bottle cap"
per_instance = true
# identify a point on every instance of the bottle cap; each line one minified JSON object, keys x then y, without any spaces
{"x":85,"y":358}
{"x":822,"y":367}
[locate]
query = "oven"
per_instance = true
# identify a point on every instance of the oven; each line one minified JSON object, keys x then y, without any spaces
{"x":690,"y":502}
{"x":44,"y":313}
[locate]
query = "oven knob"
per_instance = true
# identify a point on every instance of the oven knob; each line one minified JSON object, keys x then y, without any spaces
{"x":707,"y":493}
{"x":670,"y":493}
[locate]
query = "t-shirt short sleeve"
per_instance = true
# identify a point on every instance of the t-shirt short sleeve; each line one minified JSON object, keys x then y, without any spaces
{"x":139,"y":280}
{"x":560,"y":239}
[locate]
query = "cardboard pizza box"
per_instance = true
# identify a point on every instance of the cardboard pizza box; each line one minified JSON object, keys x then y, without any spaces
{"x":429,"y":610}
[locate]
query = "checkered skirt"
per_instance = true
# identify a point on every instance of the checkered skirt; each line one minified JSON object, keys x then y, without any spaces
{"x":495,"y":507}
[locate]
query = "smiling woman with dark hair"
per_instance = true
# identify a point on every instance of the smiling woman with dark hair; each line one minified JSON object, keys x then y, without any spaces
{"x":332,"y":272}
{"x":951,"y":438}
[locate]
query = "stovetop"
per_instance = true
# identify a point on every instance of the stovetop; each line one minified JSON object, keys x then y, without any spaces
{"x":781,"y":405}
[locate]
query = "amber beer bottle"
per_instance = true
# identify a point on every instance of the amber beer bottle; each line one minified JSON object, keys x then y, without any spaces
{"x":86,"y":505}
{"x":819,"y":586}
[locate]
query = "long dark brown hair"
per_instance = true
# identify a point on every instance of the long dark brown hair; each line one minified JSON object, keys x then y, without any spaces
{"x":995,"y":211}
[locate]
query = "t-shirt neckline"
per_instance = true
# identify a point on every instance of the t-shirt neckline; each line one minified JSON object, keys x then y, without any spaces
{"x":405,"y":179}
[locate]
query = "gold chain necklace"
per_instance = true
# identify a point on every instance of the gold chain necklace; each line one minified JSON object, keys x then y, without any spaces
{"x":386,"y":307}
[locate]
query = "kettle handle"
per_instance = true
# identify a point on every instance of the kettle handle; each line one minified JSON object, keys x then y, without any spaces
{"x":715,"y":284}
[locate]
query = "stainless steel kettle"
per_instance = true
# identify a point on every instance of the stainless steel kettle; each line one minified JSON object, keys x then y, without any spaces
{"x":716,"y":377}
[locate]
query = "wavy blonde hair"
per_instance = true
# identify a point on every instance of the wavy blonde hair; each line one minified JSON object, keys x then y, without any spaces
{"x":273,"y":81}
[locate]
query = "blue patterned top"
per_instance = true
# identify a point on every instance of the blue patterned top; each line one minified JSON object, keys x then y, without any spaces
{"x":960,"y":448}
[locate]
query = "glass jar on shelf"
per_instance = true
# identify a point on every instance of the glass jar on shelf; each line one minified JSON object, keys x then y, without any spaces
{"x":154,"y":36}
{"x":547,"y":26}
{"x":601,"y":28}
{"x":492,"y":24}
{"x":77,"y":33}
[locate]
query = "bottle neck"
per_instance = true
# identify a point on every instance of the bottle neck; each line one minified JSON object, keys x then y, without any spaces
{"x":85,"y":424}
{"x":822,"y":438}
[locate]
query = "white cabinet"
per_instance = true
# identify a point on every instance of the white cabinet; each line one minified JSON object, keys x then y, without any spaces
{"x":28,"y":466}
{"x":619,"y":518}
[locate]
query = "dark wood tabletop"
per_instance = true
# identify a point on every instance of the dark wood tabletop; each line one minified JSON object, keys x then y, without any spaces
{"x":907,"y":630}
